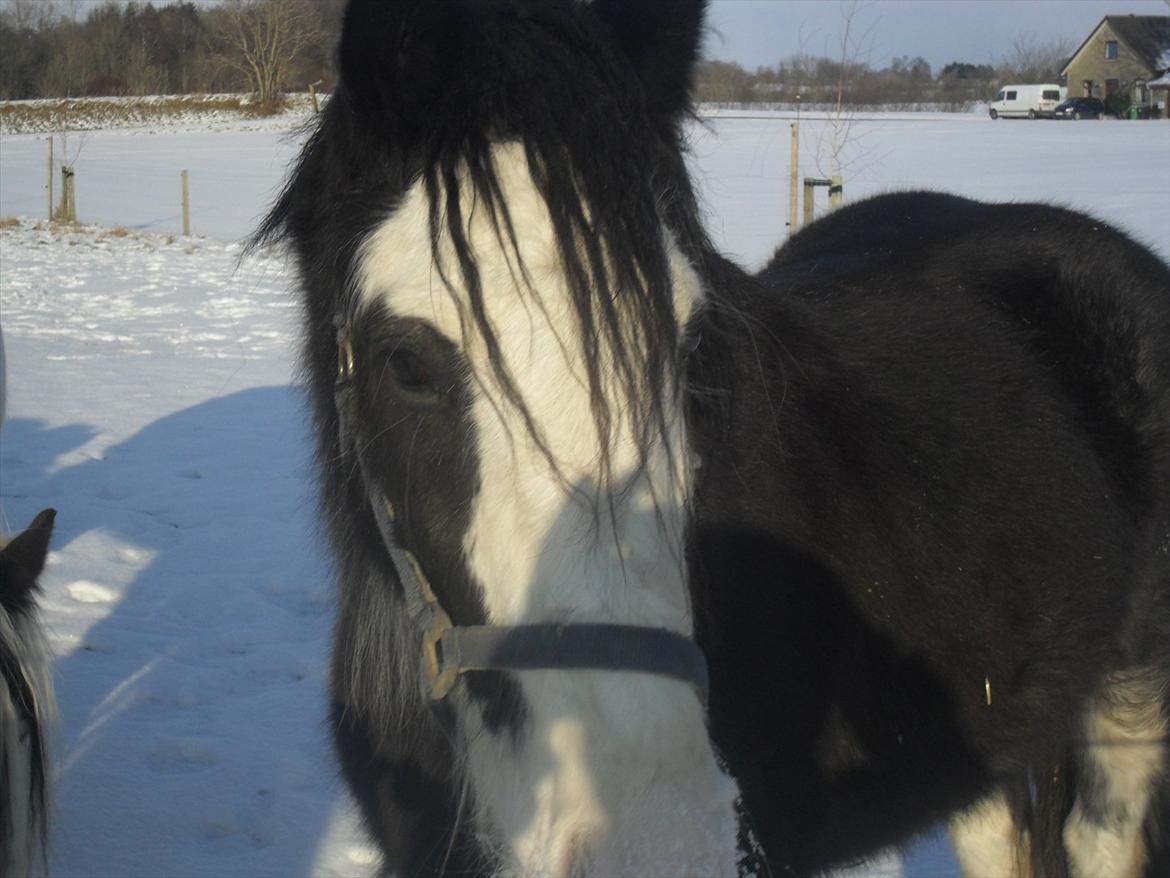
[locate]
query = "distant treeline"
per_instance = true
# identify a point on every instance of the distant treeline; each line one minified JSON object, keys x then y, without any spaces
{"x":47,"y":50}
{"x":133,"y":48}
{"x":906,"y":80}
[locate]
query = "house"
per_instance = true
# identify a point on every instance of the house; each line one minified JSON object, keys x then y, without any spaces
{"x":1122,"y":56}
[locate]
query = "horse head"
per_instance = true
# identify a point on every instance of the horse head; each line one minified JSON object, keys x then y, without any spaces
{"x":499,"y":245}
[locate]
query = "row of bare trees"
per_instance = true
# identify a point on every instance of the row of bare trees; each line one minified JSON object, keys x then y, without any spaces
{"x":850,"y":79}
{"x":69,"y":48}
{"x":57,"y":48}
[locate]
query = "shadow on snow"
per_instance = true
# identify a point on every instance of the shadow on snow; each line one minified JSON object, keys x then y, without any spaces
{"x":195,"y":707}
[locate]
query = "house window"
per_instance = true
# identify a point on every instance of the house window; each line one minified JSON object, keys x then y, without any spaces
{"x":1111,"y":50}
{"x":1110,"y":86}
{"x":1087,"y":88}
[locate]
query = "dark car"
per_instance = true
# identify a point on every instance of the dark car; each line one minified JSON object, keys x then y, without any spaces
{"x":1081,"y":108}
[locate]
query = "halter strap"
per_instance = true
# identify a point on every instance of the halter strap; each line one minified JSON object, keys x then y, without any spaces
{"x":582,"y":646}
{"x":450,"y":650}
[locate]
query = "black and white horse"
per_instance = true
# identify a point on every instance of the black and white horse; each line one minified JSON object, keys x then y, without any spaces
{"x":908,"y":487}
{"x":26,"y":702}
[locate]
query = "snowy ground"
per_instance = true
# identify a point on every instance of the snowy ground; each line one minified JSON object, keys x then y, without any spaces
{"x":151,"y":400}
{"x":186,"y":600}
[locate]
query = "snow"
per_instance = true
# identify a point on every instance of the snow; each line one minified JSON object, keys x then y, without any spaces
{"x":152,"y":401}
{"x":186,"y":599}
{"x":1116,"y":170}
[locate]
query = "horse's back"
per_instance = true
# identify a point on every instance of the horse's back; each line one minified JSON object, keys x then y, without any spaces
{"x":936,"y":282}
{"x":1076,"y":311}
{"x":942,"y":474}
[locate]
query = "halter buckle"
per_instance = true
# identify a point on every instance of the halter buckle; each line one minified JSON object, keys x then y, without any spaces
{"x":439,"y":678}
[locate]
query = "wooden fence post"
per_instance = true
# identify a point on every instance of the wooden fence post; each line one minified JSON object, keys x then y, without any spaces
{"x":186,"y":205}
{"x":313,"y":94}
{"x":810,"y":188}
{"x":67,"y":212}
{"x":836,"y":192}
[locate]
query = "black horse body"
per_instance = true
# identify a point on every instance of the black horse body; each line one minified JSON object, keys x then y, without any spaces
{"x":952,"y":523}
{"x":932,"y":516}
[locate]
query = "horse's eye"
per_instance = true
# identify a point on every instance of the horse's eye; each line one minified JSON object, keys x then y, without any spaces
{"x":409,"y":372}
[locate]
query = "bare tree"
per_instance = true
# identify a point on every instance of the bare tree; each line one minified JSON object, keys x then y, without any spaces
{"x":262,"y":38}
{"x":28,"y":14}
{"x":1032,"y":59}
{"x":855,"y":47}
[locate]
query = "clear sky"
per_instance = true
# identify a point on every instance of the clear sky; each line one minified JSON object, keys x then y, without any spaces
{"x":762,"y":32}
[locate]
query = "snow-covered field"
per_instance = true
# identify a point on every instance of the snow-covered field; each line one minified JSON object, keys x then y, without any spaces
{"x":197,"y":112}
{"x":152,"y":401}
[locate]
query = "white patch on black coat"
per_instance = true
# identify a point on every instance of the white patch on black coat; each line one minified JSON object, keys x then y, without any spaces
{"x":987,"y":841}
{"x":1121,"y":766}
{"x":615,"y":774}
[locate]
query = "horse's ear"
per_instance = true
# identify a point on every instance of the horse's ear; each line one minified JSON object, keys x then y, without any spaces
{"x":23,"y":559}
{"x":392,"y":57}
{"x":661,"y":39}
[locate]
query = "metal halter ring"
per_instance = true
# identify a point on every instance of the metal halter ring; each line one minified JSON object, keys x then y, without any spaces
{"x":439,"y":677}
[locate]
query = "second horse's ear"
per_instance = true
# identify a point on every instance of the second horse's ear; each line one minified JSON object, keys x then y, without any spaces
{"x":22,"y":560}
{"x":661,"y":39}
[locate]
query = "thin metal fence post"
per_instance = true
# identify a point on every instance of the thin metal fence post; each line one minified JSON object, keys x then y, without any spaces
{"x":793,"y":178}
{"x":50,"y":178}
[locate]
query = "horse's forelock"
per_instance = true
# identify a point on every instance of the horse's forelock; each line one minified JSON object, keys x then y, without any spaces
{"x":598,"y":152}
{"x":610,"y":240}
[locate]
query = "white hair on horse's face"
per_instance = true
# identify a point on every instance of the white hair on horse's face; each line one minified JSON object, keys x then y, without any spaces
{"x":615,"y":773}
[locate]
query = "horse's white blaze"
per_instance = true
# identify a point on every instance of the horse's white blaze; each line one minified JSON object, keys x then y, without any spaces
{"x":615,"y":774}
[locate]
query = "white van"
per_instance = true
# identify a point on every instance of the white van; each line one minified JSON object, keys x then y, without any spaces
{"x":1033,"y":101}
